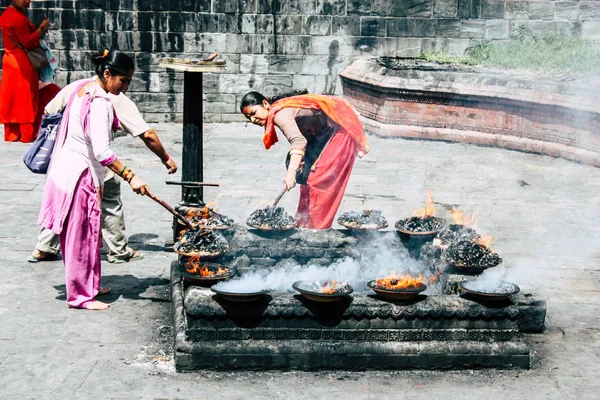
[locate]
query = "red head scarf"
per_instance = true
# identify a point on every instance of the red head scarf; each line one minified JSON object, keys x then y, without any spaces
{"x":336,"y":108}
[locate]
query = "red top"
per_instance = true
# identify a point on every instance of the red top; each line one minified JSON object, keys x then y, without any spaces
{"x":16,"y":25}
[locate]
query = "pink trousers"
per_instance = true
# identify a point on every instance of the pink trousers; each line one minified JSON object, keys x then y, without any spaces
{"x":80,"y":244}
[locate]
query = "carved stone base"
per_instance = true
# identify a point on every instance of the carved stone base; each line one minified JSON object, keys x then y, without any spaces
{"x":286,"y":331}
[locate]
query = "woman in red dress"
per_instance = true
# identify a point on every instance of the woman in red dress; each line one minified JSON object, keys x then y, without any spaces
{"x":325,"y":136}
{"x":19,"y":88}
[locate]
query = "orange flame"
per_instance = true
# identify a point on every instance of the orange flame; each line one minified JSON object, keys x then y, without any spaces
{"x":461,"y":219}
{"x":486,"y":241}
{"x":399,"y":281}
{"x":330,"y":287}
{"x":428,"y":210}
{"x":193,"y":267}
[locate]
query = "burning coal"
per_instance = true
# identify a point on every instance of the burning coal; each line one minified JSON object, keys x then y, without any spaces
{"x":204,"y":241}
{"x":471,"y":254}
{"x":421,"y":224}
{"x":206,"y":217}
{"x":455,"y":233}
{"x":399,"y":281}
{"x":364,"y":219}
{"x":269,"y":218}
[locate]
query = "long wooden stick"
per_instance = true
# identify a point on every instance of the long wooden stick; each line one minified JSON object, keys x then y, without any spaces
{"x":172,"y":211}
{"x":279,"y":198}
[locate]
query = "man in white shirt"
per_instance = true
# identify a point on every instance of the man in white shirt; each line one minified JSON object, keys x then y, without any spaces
{"x":113,"y":220}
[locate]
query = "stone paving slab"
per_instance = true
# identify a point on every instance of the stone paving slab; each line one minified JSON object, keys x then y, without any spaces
{"x":543,"y":211}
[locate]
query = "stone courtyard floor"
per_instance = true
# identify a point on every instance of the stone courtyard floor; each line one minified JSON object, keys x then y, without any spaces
{"x":544,"y":212}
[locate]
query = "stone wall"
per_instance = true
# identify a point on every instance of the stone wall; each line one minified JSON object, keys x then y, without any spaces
{"x":276,"y":45}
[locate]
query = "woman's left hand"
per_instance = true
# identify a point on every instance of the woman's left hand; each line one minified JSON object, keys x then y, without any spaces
{"x":290,"y":179}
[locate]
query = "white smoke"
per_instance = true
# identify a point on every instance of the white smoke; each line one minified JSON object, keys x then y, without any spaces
{"x":376,"y":259}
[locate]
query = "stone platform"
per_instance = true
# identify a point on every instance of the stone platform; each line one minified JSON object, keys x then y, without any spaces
{"x":286,"y":331}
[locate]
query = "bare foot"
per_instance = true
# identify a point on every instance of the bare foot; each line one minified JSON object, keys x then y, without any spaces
{"x":97,"y":305}
{"x":103,"y":290}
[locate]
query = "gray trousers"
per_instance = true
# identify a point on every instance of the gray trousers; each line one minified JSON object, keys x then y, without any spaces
{"x":113,"y":222}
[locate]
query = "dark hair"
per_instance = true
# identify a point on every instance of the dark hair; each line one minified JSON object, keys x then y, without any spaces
{"x":115,"y":61}
{"x":254,"y":98}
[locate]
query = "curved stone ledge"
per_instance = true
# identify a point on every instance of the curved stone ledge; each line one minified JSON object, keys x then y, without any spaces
{"x":559,"y":119}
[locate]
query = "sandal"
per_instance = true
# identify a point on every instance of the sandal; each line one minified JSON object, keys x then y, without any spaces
{"x":131,"y":256}
{"x":44,"y":256}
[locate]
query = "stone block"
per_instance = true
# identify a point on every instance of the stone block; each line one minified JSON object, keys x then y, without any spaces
{"x":182,"y":22}
{"x":208,"y":23}
{"x":285,"y":64}
{"x":589,"y":11}
{"x":254,"y":64}
{"x":276,"y":84}
{"x":390,"y":8}
{"x":349,"y":26}
{"x":401,"y":27}
{"x":425,"y":27}
{"x":149,"y":21}
{"x":492,"y":9}
{"x":169,"y":42}
{"x":359,"y":7}
{"x":373,"y":26}
{"x":316,"y":25}
{"x":517,"y":10}
{"x":331,"y":7}
{"x":445,"y":8}
{"x":473,"y":28}
{"x":288,"y":24}
{"x":219,"y":103}
{"x":204,"y":42}
{"x":387,"y":47}
{"x":263,"y":44}
{"x":447,"y":28}
{"x":225,"y":6}
{"x":158,"y":102}
{"x":320,"y":65}
{"x":541,"y":10}
{"x":420,"y":8}
{"x":229,"y":23}
{"x":568,"y":10}
{"x":496,"y":29}
{"x":332,"y":46}
{"x":248,"y":23}
{"x":234,"y":83}
{"x":469,"y":9}
{"x":264,"y":7}
{"x":264,"y":24}
{"x":237,"y":117}
{"x":296,"y":45}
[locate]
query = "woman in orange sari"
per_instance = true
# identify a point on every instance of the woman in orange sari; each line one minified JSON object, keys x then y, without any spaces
{"x":325,"y":135}
{"x":19,"y":87}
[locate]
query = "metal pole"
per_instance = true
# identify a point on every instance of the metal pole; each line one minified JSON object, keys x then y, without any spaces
{"x":192,"y":152}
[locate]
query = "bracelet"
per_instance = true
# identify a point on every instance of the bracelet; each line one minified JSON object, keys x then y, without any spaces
{"x":297,"y":151}
{"x":130,"y":178}
{"x":123,"y":170}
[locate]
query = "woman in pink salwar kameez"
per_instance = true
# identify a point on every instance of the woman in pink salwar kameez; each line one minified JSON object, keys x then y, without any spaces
{"x":71,"y":204}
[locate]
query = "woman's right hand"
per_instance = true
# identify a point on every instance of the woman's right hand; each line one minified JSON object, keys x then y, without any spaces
{"x":45,"y":24}
{"x":139,"y":186}
{"x":290,"y":179}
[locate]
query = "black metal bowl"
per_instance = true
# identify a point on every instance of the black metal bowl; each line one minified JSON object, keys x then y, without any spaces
{"x":505,"y":290}
{"x":322,"y":297}
{"x":196,"y":279}
{"x":239,"y":297}
{"x":396,"y":294}
{"x":423,"y":235}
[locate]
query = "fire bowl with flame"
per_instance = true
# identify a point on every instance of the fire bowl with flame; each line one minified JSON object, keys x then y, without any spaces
{"x":323,"y":292}
{"x":271,"y":219}
{"x":486,"y":291}
{"x":398,"y":286}
{"x":206,"y":217}
{"x":236,"y":295}
{"x":363,"y":220}
{"x":454,"y":233}
{"x":424,"y":227}
{"x":205,"y":243}
{"x":197,"y":272}
{"x":472,"y":256}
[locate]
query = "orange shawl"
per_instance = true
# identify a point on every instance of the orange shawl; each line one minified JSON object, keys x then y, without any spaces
{"x":337,"y":109}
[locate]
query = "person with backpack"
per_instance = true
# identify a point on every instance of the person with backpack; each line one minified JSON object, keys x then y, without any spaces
{"x":75,"y":178}
{"x":113,"y":219}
